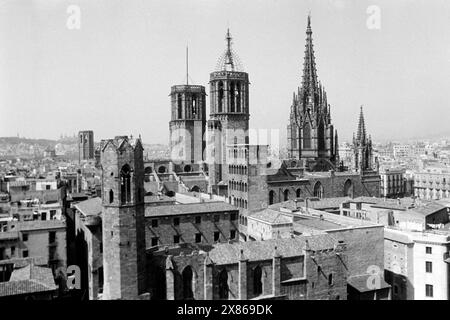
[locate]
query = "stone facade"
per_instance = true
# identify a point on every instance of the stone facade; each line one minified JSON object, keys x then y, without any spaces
{"x":188,"y":123}
{"x":214,"y":222}
{"x":432,"y":185}
{"x":86,"y":145}
{"x":311,"y":135}
{"x":229,"y":106}
{"x":299,"y":269}
{"x":123,"y":219}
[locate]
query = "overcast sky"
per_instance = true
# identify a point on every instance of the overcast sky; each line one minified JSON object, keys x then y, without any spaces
{"x":113,"y":75}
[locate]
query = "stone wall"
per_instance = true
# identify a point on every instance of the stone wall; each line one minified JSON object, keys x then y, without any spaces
{"x":187,"y":229}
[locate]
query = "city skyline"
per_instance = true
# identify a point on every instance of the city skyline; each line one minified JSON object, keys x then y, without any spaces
{"x":117,"y":64}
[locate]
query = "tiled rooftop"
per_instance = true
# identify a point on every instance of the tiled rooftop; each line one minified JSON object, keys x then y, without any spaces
{"x":28,"y":280}
{"x":90,"y":207}
{"x":271,"y":216}
{"x":226,"y":253}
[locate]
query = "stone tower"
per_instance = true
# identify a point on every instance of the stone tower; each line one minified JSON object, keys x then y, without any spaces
{"x":362,"y":146}
{"x":124,"y":260}
{"x":311,"y":136}
{"x":85,"y":145}
{"x":188,"y":122}
{"x":228,"y":124}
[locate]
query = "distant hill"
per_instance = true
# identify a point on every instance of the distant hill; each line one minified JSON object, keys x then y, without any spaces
{"x":16,"y":140}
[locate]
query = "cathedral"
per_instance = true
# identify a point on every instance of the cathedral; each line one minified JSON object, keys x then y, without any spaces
{"x":214,"y":155}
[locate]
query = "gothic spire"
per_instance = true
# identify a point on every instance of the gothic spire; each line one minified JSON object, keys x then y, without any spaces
{"x":309,"y":80}
{"x":361,"y":133}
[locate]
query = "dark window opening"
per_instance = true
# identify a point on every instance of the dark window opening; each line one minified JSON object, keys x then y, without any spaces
{"x":429,"y":290}
{"x":187,"y":276}
{"x":111,"y":196}
{"x":428,"y":266}
{"x":125,"y":184}
{"x":257,"y":281}
{"x":51,"y":237}
{"x":223,"y":284}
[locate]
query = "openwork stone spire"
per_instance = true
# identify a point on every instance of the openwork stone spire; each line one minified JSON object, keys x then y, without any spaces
{"x":361,"y":133}
{"x":229,"y":61}
{"x":309,"y":80}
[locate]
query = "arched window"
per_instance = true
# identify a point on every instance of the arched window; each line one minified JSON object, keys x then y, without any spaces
{"x":307,"y":136}
{"x":125,"y":184}
{"x":238,"y":97}
{"x":257,"y":281}
{"x":223,"y":284}
{"x":220,"y":102}
{"x":188,"y":293}
{"x":179,"y":107}
{"x":271,"y":197}
{"x":286,"y":195}
{"x":318,"y":190}
{"x":232,"y":102}
{"x":194,"y":105}
{"x":348,"y":189}
{"x":111,"y":196}
{"x":298,"y":193}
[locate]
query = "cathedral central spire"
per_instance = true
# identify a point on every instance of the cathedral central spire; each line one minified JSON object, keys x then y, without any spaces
{"x":309,"y":81}
{"x":311,"y":135}
{"x":361,"y":133}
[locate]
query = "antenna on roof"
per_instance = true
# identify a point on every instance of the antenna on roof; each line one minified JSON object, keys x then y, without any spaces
{"x":187,"y":65}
